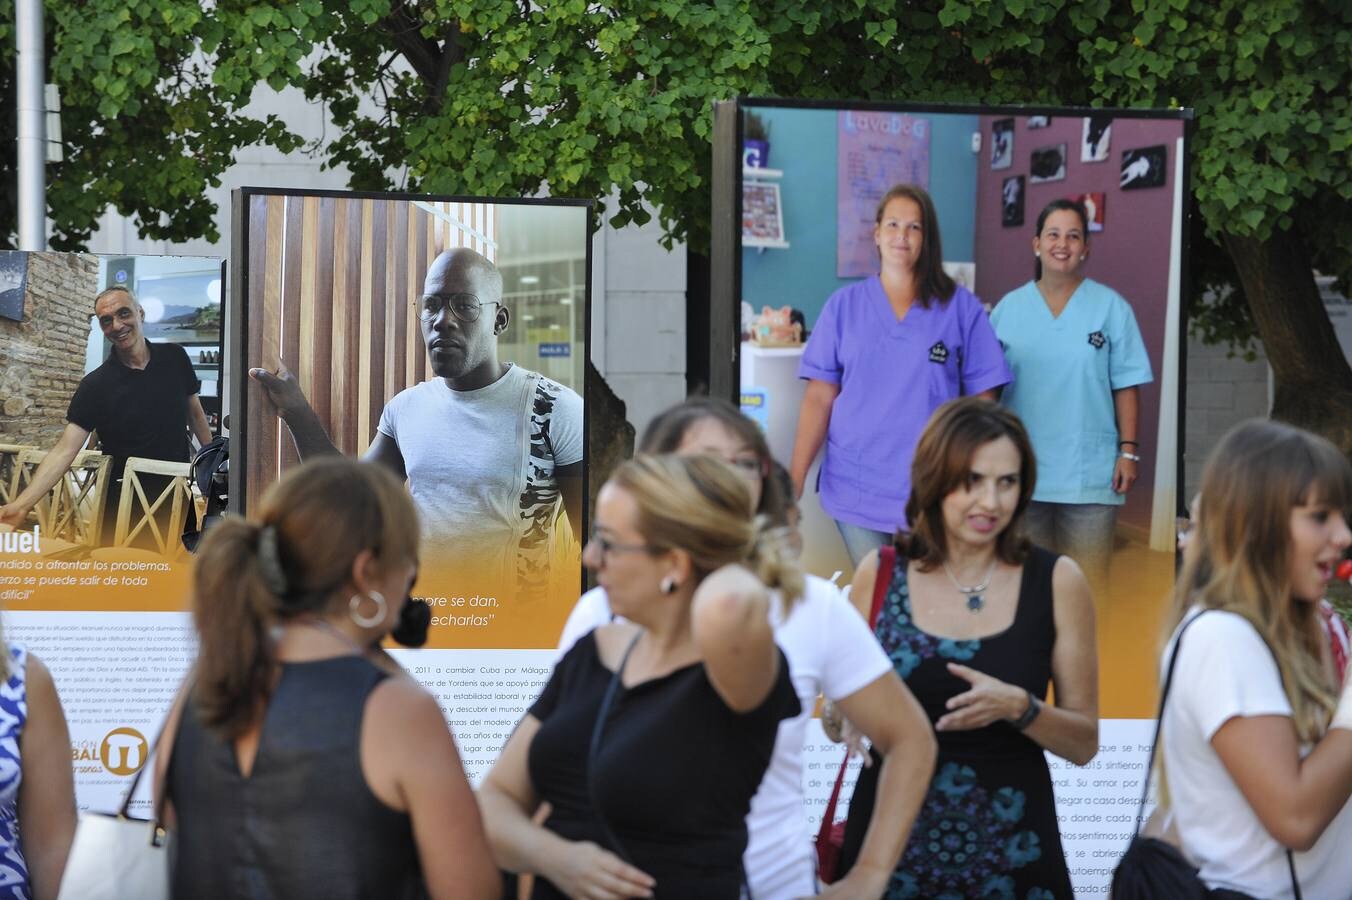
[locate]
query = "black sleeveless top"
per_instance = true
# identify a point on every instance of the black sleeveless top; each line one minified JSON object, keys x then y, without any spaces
{"x":676,"y":770}
{"x":988,"y":827}
{"x":304,"y":823}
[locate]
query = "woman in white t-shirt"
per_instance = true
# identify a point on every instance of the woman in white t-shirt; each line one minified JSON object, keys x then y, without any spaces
{"x":1257,"y":733}
{"x":831,"y":652}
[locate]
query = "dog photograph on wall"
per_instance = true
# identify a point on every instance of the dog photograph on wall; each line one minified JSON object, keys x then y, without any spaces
{"x":1094,"y":207}
{"x":1011,"y":201}
{"x":1096,"y":137}
{"x":1047,"y":164}
{"x":1144,"y":167}
{"x":1002,"y":144}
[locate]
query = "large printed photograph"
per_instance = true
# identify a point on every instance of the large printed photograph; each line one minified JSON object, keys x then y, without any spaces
{"x":444,"y":339}
{"x":1007,"y":192}
{"x":109,"y":385}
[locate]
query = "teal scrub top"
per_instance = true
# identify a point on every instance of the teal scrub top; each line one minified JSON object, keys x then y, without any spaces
{"x":1065,"y":371}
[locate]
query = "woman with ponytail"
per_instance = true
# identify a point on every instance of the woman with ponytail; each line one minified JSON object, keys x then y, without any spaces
{"x":831,"y":653}
{"x":653,"y":733}
{"x":299,"y":767}
{"x":1256,"y":739}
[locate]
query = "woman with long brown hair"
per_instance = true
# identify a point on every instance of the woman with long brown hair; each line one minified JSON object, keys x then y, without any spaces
{"x":977,"y":622}
{"x":1256,"y":739}
{"x":884,"y":353}
{"x":300,"y":767}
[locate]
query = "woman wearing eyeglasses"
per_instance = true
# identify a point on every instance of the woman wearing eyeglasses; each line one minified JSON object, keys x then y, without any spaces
{"x":653,"y":733}
{"x":831,"y":653}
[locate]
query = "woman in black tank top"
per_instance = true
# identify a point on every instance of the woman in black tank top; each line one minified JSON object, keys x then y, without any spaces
{"x":653,"y":733}
{"x":977,"y":622}
{"x":304,"y":763}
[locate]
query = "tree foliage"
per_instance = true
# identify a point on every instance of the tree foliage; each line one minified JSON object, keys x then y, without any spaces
{"x":577,"y":98}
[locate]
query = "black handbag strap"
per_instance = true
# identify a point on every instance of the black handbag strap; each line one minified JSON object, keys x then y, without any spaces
{"x":1155,"y":742}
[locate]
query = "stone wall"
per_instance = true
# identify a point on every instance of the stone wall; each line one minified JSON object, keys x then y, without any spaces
{"x":42,"y":357}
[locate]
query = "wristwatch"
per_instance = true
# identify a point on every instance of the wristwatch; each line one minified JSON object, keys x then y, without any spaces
{"x":1029,"y":714}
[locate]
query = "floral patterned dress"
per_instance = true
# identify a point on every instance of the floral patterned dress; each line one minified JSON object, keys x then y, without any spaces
{"x":13,"y":716}
{"x":988,"y":825}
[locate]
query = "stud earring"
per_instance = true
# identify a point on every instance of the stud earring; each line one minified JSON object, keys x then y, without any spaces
{"x":668,"y":585}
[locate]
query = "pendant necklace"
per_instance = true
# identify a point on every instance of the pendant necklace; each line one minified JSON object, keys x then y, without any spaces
{"x":975,"y":601}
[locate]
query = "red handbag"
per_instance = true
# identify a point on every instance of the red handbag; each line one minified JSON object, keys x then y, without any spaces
{"x":831,"y":834}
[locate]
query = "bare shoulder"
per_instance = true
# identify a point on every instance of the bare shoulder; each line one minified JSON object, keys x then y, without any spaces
{"x":1067,"y":576}
{"x":729,"y":594}
{"x":1070,"y":591}
{"x":398,"y":699}
{"x":612,"y":639}
{"x":38,"y":679}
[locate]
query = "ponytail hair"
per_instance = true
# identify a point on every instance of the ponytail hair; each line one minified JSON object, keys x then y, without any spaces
{"x":295,"y":558}
{"x":698,"y":504}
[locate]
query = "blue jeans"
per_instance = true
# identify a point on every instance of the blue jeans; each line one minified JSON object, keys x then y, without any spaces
{"x":860,"y":540}
{"x":1082,"y":531}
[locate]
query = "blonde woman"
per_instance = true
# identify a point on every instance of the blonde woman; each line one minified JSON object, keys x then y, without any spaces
{"x":1257,"y":730}
{"x":654,"y":732}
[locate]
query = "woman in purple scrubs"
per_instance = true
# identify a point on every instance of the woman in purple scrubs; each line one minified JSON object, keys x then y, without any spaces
{"x":885,"y":353}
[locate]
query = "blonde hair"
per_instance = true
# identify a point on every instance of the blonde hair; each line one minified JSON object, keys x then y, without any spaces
{"x":700,"y":505}
{"x":1238,"y":557}
{"x":293,"y":558}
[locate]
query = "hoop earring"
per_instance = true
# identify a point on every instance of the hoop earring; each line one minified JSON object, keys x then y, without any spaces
{"x":668,"y":585}
{"x":363,"y":621}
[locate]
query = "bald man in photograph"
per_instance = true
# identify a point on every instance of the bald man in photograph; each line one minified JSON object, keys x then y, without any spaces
{"x":490,"y":450}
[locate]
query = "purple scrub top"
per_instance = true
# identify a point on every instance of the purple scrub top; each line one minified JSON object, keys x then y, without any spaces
{"x":892,"y":376}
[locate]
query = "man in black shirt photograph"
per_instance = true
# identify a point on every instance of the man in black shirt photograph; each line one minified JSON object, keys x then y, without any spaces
{"x":141,"y":402}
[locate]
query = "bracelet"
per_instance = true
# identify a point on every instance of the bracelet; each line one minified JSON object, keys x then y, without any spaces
{"x":1029,"y":714}
{"x":1131,"y":456}
{"x":1133,"y":443}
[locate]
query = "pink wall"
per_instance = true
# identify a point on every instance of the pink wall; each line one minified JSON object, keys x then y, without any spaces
{"x":1130,"y":255}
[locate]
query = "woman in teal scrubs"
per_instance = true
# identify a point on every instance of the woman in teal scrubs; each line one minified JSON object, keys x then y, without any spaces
{"x":1078,"y":361}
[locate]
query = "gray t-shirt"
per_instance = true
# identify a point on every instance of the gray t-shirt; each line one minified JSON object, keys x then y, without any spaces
{"x":481,"y":468}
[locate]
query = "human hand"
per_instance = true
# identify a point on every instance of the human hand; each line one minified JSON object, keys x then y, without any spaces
{"x":989,"y":700}
{"x":587,"y":872}
{"x":281,"y":389}
{"x":1124,"y":475}
{"x":864,"y":882}
{"x":13,"y":514}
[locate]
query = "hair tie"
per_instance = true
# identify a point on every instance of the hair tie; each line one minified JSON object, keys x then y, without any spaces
{"x":270,"y":561}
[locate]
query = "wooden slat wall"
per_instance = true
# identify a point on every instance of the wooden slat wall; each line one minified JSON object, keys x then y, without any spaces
{"x":331,"y":293}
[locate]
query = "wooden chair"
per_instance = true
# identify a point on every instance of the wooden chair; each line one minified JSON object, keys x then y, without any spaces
{"x":137,"y":510}
{"x":73,"y":509}
{"x":9,"y":470}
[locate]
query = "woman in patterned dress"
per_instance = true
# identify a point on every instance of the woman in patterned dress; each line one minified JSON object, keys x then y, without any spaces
{"x":37,"y":786}
{"x":977,"y":622}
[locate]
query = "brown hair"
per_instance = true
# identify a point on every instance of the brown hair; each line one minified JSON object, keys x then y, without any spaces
{"x":666,"y":431}
{"x":700,"y":505}
{"x":1057,"y":205}
{"x":295,"y":557}
{"x":932,"y":281}
{"x":943,"y":459}
{"x":1238,"y":557}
